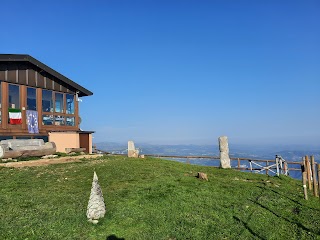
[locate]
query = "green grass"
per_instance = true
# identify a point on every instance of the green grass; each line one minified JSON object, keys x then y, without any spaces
{"x":153,"y":199}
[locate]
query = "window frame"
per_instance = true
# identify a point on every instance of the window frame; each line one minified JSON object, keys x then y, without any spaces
{"x":63,"y":114}
{"x":8,"y":97}
{"x":27,"y":108}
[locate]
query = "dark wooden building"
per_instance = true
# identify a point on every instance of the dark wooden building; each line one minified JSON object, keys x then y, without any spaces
{"x":38,"y":102}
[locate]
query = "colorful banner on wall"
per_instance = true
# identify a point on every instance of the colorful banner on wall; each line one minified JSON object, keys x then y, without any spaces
{"x":15,"y":116}
{"x":32,"y":121}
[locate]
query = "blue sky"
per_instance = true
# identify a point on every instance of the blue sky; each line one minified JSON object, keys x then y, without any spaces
{"x":181,"y":71}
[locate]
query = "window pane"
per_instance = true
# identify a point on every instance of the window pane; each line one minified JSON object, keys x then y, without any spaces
{"x":47,"y":101}
{"x":31,"y":99}
{"x":14,"y":96}
{"x":59,"y":102}
{"x":70,"y":121}
{"x":70,"y":104}
{"x":59,"y":121}
{"x":47,"y":119}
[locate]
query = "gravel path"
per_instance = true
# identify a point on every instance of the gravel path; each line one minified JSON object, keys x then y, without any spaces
{"x":45,"y":162}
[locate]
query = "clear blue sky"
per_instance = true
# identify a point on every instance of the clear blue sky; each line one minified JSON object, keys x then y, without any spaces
{"x":181,"y":71}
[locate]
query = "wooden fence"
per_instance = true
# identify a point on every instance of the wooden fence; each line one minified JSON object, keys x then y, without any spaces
{"x":263,"y":164}
{"x":310,"y":176}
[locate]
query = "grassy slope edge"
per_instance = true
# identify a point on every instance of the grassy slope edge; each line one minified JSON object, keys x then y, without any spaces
{"x":153,"y":199}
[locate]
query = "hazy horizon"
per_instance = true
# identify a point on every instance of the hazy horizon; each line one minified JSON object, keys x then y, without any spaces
{"x":285,"y":146}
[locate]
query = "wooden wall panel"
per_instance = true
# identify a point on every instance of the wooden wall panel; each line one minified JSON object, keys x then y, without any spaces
{"x":3,"y":68}
{"x":49,"y":83}
{"x":56,"y":85}
{"x":32,"y":78}
{"x":22,"y":77}
{"x":12,"y":76}
{"x":2,"y":75}
{"x":64,"y":89}
{"x":40,"y":81}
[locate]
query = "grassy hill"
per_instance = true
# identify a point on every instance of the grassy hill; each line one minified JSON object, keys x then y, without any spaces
{"x":153,"y":199}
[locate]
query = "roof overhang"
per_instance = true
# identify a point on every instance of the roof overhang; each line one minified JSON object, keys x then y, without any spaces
{"x":27,"y":58}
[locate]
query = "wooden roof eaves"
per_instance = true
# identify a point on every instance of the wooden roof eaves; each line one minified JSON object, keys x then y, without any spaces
{"x":27,"y":58}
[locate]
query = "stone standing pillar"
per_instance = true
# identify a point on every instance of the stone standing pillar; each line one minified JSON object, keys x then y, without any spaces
{"x":132,"y":152}
{"x":224,"y":152}
{"x":96,"y":207}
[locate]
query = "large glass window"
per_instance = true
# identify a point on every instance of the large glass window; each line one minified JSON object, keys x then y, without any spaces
{"x":31,"y":99}
{"x":59,"y":106}
{"x":70,"y":104}
{"x":47,"y":102}
{"x":58,"y":109}
{"x":14,"y":96}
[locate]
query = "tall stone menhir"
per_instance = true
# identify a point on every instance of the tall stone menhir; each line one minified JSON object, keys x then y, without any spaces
{"x":224,"y":152}
{"x":96,"y":207}
{"x":132,"y":151}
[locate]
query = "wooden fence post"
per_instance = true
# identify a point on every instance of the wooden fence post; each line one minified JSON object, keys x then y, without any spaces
{"x":308,"y":169}
{"x":238,"y":163}
{"x":303,"y":166}
{"x":267,"y":170}
{"x":314,"y":175}
{"x":277,"y":165}
{"x":319,"y":178}
{"x":304,"y":181}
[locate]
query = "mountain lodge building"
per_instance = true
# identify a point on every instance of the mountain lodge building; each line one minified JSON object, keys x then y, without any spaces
{"x":36,"y":102}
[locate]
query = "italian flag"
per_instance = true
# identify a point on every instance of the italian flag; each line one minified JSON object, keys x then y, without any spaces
{"x":15,"y":116}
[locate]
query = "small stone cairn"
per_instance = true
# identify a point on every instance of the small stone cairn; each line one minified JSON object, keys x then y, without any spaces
{"x":96,"y":206}
{"x":224,"y":152}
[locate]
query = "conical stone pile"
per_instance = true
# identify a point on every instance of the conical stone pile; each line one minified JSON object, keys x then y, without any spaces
{"x":96,"y":207}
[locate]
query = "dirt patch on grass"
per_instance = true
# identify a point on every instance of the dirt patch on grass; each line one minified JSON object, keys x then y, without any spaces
{"x":45,"y":162}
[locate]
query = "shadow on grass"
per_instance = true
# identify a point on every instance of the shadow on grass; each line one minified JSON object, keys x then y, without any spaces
{"x":300,"y":225}
{"x":248,"y":228}
{"x":286,"y":219}
{"x":245,"y":224}
{"x":290,"y":199}
{"x":113,"y":237}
